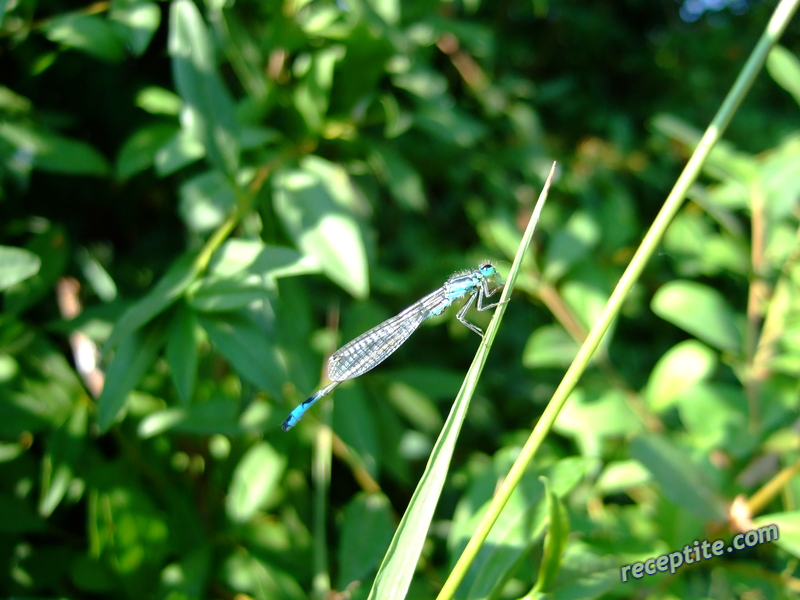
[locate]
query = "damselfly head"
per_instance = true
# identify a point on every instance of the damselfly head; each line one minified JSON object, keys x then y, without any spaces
{"x":487,"y":269}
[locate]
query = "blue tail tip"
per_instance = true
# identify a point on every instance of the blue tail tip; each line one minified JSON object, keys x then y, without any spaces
{"x":288,"y":423}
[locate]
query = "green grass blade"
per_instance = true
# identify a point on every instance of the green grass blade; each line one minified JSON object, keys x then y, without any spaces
{"x":400,"y":562}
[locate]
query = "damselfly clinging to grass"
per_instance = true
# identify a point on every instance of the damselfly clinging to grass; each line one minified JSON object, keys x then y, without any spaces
{"x":370,"y":349}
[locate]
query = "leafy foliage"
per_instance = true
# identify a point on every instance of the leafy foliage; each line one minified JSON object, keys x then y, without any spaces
{"x":181,"y":239}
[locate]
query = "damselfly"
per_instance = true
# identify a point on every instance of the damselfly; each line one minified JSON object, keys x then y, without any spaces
{"x":370,"y":349}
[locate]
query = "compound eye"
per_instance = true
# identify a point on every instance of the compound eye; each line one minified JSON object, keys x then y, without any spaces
{"x":487,"y":269}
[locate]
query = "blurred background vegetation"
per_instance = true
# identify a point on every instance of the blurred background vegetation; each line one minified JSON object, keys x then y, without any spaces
{"x":199,"y":202}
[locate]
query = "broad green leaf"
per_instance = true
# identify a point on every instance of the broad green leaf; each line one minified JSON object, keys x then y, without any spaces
{"x":169,"y":288}
{"x":52,"y":251}
{"x":697,"y":249}
{"x":216,"y":295}
{"x":367,"y":528}
{"x":139,"y":151}
{"x":585,"y":574}
{"x":182,"y":150}
{"x":784,"y":68}
{"x":260,"y":579}
{"x":549,"y":346}
{"x":681,"y":367}
{"x":679,"y":479}
{"x":132,"y":359}
{"x":159,"y":101}
{"x":779,"y":181}
{"x":402,"y":179}
{"x":10,"y":101}
{"x":238,"y":257}
{"x":98,"y":278}
{"x":10,"y":451}
{"x":354,"y":421}
{"x":255,"y":479}
{"x":205,"y":201}
{"x":619,"y":476}
{"x":208,"y":101}
{"x":571,"y":244}
{"x":450,"y":125}
{"x":59,"y":465}
{"x":782,"y":529}
{"x":135,"y":21}
{"x":16,"y":265}
{"x":47,"y":151}
{"x":309,"y":204}
{"x":89,"y":33}
{"x":715,"y":416}
{"x":248,"y":347}
{"x":586,"y":301}
{"x":218,"y":415}
{"x":700,"y":310}
{"x":589,"y":419}
{"x":182,"y":352}
{"x":312,"y":94}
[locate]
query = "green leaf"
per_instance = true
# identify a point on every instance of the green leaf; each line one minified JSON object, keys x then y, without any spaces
{"x":555,"y":540}
{"x":681,"y":367}
{"x":680,"y":480}
{"x":571,"y":244}
{"x":52,"y":251}
{"x":520,"y":525}
{"x":312,"y":94}
{"x":784,"y":68}
{"x":310,"y":202}
{"x":725,"y":162}
{"x":216,"y":295}
{"x":212,"y":121}
{"x":159,"y":101}
{"x":135,"y":21}
{"x":138,"y":152}
{"x":248,"y":347}
{"x":182,"y":353}
{"x":48,"y":151}
{"x":169,"y":288}
{"x":60,"y":463}
{"x":549,"y":346}
{"x":262,"y":580}
{"x":715,"y":416}
{"x":218,"y":415}
{"x":255,"y":479}
{"x":89,"y":33}
{"x":590,"y":419}
{"x":785,"y":525}
{"x":240,"y":257}
{"x":17,"y":265}
{"x":700,"y":310}
{"x":206,"y":200}
{"x":182,"y":150}
{"x":133,"y":358}
{"x":367,"y":528}
{"x":402,"y":179}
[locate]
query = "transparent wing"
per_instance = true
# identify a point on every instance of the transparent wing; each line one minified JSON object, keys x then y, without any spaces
{"x":370,"y":349}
